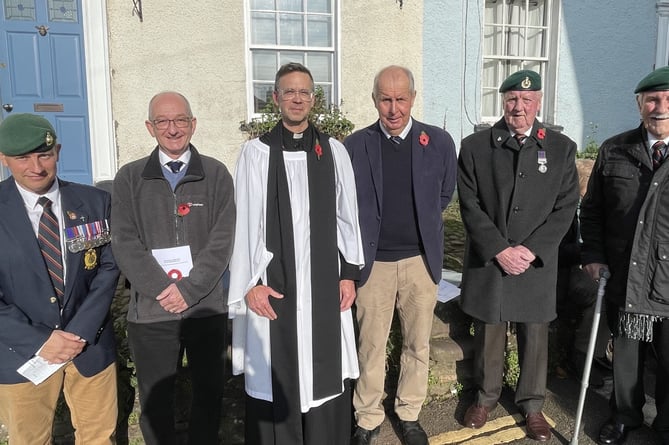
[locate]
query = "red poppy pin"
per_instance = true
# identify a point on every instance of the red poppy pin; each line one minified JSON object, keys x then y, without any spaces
{"x":183,"y":209}
{"x":541,"y":133}
{"x":424,"y":139}
{"x":318,"y":149}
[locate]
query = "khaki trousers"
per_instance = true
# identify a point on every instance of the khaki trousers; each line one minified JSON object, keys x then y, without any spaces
{"x":407,"y":286}
{"x":28,"y":410}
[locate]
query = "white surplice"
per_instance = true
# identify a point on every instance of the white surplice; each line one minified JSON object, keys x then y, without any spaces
{"x":250,"y":258}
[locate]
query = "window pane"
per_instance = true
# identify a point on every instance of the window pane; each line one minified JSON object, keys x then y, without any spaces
{"x":20,"y":9}
{"x":262,"y":4}
{"x":63,"y":11}
{"x":262,"y":95}
{"x":290,"y":5}
{"x":263,"y":28}
{"x":319,"y":5}
{"x":290,"y":26}
{"x":291,"y":56}
{"x":320,"y":65}
{"x":318,"y":28}
{"x":264,"y":65}
{"x":327,"y":93}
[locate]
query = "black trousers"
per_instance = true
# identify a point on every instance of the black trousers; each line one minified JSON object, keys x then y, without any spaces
{"x":156,"y":350}
{"x":328,"y":424}
{"x":490,"y":341}
{"x":629,"y":358}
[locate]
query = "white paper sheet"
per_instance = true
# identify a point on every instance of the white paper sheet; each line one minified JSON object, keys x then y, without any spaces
{"x":37,"y":369}
{"x":177,"y":262}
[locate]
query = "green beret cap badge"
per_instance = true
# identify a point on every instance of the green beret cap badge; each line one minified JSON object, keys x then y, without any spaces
{"x":524,"y":80}
{"x":23,"y":133}
{"x":657,"y":80}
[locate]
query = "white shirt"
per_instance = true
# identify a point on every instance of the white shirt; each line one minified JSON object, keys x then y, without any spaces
{"x":34,"y":211}
{"x":164,"y":159}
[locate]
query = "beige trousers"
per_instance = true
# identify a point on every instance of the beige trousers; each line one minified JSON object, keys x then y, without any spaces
{"x":407,"y":286}
{"x":28,"y":410}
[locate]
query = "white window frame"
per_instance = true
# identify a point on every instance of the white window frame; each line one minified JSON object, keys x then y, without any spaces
{"x":662,"y":48}
{"x":547,"y":60}
{"x":334,"y":49}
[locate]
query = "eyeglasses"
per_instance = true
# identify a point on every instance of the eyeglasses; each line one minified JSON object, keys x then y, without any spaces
{"x":291,"y":94}
{"x":180,"y":122}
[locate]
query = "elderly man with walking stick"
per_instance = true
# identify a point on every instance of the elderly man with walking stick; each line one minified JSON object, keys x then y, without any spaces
{"x":624,"y":221}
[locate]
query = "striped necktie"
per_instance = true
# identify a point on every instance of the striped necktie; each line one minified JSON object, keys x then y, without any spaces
{"x":520,"y":138}
{"x":658,"y":154}
{"x":175,"y":166}
{"x":48,"y":236}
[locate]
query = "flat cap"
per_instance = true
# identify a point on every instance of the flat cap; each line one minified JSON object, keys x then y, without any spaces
{"x":24,"y":133}
{"x":524,"y":80}
{"x":658,"y":80}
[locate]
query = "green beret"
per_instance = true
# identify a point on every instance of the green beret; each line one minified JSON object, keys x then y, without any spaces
{"x":525,"y":80}
{"x":24,"y":133}
{"x":658,"y":80}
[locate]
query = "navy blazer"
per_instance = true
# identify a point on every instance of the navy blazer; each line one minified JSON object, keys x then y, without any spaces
{"x":28,"y":311}
{"x":433,"y":170}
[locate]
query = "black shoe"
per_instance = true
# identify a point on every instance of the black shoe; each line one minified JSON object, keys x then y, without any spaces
{"x":413,"y":433}
{"x":613,"y":433}
{"x":362,"y":436}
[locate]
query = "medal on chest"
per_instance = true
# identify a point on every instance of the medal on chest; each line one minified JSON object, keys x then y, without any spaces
{"x":542,"y":161}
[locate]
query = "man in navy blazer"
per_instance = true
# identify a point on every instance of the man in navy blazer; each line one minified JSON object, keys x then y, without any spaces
{"x":405,"y":175}
{"x":56,"y":314}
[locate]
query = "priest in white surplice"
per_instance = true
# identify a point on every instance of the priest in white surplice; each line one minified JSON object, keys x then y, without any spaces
{"x":297,"y":255}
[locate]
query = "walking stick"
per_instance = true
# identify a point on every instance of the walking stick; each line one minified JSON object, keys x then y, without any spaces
{"x":604,"y":275}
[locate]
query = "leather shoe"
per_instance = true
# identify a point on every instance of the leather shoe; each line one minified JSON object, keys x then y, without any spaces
{"x":413,"y":433}
{"x":361,"y":436}
{"x":613,"y":433}
{"x":537,"y":427}
{"x":476,"y":416}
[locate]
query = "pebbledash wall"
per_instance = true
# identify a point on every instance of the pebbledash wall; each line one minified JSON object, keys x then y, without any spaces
{"x":200,"y":49}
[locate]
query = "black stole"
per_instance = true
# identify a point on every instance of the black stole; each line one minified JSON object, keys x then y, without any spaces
{"x":281,"y":276}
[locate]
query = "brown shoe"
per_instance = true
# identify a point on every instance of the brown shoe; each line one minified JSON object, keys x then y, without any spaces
{"x":476,"y":416}
{"x":537,"y":427}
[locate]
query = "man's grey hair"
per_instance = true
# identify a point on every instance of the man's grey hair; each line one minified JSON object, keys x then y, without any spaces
{"x":407,"y":71}
{"x":189,"y":112}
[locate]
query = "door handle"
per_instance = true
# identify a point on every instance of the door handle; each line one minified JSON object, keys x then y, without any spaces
{"x":8,"y":107}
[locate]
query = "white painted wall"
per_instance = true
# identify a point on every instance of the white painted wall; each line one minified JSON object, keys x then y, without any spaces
{"x":196,"y":48}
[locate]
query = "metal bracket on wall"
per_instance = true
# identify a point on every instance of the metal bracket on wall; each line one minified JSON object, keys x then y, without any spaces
{"x":137,"y":9}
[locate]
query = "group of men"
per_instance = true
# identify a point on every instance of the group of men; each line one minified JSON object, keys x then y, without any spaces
{"x":315,"y":248}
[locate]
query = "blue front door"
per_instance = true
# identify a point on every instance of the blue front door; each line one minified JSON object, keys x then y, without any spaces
{"x":42,"y":71}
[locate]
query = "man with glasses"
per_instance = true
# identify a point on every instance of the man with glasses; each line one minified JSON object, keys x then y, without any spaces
{"x":174,"y":214}
{"x":297,"y":255}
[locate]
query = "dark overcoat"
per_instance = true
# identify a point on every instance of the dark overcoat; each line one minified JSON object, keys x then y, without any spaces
{"x":505,"y":200}
{"x":621,"y":179}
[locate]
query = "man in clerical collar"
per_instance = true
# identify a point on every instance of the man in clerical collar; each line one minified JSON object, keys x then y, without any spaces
{"x":296,"y":258}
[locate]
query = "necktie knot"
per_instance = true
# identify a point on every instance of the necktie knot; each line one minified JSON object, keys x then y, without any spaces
{"x":520,"y":138}
{"x":175,"y":166}
{"x":396,"y":139}
{"x":659,"y":148}
{"x":44,"y":202}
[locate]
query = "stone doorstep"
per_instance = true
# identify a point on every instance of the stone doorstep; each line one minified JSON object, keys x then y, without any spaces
{"x":451,"y":362}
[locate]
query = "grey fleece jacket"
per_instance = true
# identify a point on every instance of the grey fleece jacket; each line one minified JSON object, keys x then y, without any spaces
{"x":145,"y":216}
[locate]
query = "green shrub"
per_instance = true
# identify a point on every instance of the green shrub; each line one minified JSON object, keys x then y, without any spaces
{"x":327,"y":118}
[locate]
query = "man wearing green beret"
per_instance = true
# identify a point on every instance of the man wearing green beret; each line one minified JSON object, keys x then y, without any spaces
{"x":624,"y":222}
{"x":518,"y":190}
{"x":57,"y":281}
